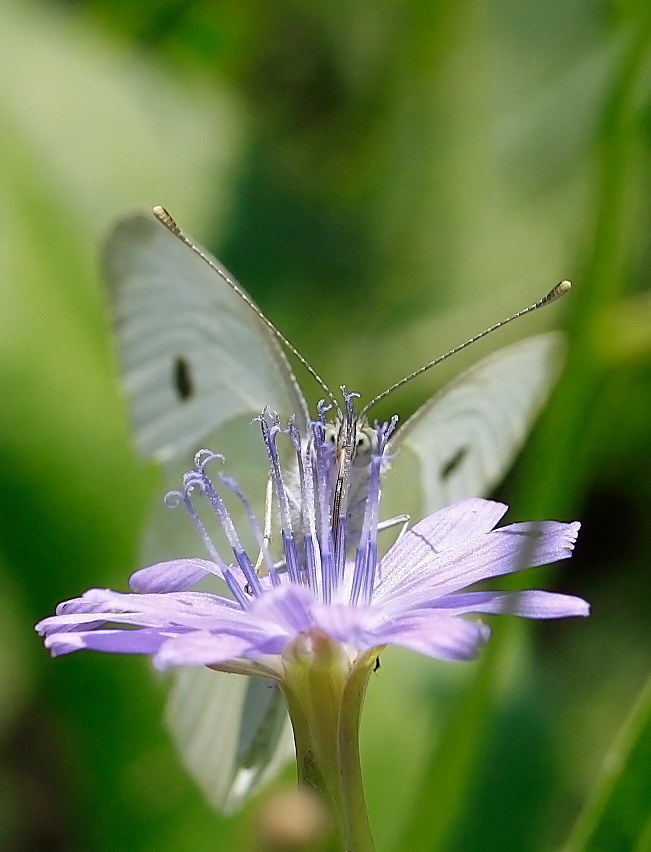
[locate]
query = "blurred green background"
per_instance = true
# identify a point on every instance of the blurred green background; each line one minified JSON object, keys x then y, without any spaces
{"x":386,"y":178}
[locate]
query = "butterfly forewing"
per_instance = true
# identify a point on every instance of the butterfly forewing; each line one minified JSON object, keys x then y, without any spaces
{"x":194,"y":355}
{"x":197,"y":365}
{"x":462,"y":441}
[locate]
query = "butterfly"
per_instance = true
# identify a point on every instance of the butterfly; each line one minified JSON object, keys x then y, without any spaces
{"x":199,"y":360}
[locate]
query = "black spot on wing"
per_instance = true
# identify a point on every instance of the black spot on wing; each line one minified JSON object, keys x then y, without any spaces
{"x":182,"y":378}
{"x":453,"y":462}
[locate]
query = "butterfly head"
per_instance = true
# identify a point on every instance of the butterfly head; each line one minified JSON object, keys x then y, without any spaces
{"x":358,"y":442}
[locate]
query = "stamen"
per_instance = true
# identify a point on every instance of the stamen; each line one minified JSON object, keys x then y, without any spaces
{"x":322,"y":559}
{"x":349,"y":400}
{"x":324,"y":452}
{"x":201,"y":478}
{"x":344,"y":463}
{"x":363,"y":567}
{"x":269,"y":435}
{"x":323,"y":408}
{"x":231,"y":483}
{"x":173,"y":498}
{"x":366,"y":557}
{"x":308,"y":516}
{"x":235,"y":589}
{"x":202,"y":457}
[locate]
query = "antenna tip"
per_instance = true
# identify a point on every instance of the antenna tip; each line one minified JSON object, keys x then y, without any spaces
{"x":164,"y":217}
{"x":557,"y":292}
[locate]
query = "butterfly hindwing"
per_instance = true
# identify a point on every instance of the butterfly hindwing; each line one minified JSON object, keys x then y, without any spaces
{"x":259,"y":744}
{"x":463,"y":440}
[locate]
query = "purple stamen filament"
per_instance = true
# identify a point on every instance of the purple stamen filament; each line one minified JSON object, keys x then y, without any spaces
{"x":324,"y":473}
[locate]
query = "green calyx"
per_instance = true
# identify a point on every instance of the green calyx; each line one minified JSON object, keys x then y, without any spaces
{"x":325,"y":692}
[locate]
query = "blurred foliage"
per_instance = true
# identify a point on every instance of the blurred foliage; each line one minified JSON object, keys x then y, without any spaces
{"x":386,"y":178}
{"x":617,"y":814}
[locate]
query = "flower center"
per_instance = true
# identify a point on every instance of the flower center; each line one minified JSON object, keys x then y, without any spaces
{"x":321,"y":527}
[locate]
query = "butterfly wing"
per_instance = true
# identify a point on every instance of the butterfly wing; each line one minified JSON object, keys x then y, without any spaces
{"x":462,"y":441}
{"x":256,"y":743}
{"x":194,"y":355}
{"x":197,"y":364}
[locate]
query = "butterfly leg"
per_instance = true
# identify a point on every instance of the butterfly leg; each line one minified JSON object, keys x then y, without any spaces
{"x":268,"y":511}
{"x":402,"y":520}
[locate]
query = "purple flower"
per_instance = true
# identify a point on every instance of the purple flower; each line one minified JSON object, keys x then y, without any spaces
{"x":416,"y":596}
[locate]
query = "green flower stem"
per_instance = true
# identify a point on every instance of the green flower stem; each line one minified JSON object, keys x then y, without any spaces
{"x":358,"y":828}
{"x":325,"y":696}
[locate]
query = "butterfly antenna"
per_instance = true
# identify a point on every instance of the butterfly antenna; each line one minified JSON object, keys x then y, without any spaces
{"x":554,"y":294}
{"x":164,"y":218}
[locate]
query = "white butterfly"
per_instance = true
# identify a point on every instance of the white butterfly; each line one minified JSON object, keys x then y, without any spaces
{"x":199,"y":360}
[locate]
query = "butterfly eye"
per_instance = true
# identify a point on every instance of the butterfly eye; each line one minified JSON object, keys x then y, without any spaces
{"x":183,"y":383}
{"x":364,"y":444}
{"x":331,"y":434}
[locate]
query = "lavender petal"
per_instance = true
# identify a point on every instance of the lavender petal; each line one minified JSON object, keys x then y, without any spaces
{"x":503,"y":551}
{"x":450,"y":528}
{"x":526,"y":604}
{"x":442,"y":636}
{"x":178,"y":575}
{"x":201,"y":649}
{"x":143,"y":641}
